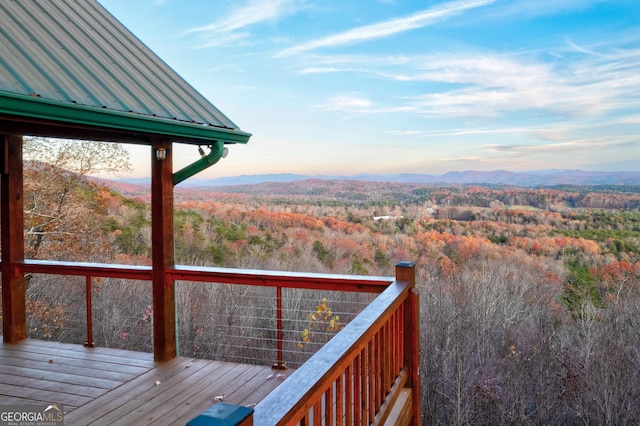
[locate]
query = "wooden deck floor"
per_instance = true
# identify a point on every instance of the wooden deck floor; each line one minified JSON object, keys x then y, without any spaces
{"x":116,"y":387}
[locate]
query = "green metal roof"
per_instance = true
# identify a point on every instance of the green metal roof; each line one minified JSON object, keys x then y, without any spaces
{"x":71,"y":62}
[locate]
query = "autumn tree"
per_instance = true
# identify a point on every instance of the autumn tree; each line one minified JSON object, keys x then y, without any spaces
{"x":62,"y":206}
{"x":65,"y":217}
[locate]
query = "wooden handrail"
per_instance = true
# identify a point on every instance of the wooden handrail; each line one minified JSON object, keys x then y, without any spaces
{"x":355,"y":377}
{"x":84,"y":269}
{"x":351,"y":283}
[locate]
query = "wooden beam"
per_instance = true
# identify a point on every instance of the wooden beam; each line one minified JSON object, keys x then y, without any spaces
{"x":16,"y":125}
{"x":14,"y":312}
{"x":29,"y":126}
{"x":164,"y":301}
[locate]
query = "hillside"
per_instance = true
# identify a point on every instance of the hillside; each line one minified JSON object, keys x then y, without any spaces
{"x":365,"y":193}
{"x":498,"y":177}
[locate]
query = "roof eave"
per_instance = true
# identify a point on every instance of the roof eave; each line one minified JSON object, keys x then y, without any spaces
{"x":178,"y":131}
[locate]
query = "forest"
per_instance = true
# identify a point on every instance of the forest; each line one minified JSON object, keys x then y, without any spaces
{"x":530,"y":297}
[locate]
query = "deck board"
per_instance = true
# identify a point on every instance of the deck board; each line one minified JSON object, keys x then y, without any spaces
{"x":147,"y":395}
{"x":6,"y":378}
{"x":165,"y":404}
{"x":114,"y":386}
{"x":79,"y":366}
{"x":39,"y":373}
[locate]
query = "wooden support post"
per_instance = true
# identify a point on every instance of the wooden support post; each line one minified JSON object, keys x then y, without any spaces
{"x":14,"y":311}
{"x":89,"y":306}
{"x":279,"y":365}
{"x":406,"y":271}
{"x":164,"y":300}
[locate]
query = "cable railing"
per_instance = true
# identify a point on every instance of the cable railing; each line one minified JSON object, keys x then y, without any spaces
{"x":90,"y":272}
{"x":260,"y":325}
{"x":256,"y":317}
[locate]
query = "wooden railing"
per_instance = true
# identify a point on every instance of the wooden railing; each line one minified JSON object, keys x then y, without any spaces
{"x":277,"y":279}
{"x":366,"y":374}
{"x":89,"y":271}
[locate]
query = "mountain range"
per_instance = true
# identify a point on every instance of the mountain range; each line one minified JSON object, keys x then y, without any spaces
{"x":497,"y":177}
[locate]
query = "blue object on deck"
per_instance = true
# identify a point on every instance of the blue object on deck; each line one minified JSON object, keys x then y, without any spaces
{"x":222,"y":414}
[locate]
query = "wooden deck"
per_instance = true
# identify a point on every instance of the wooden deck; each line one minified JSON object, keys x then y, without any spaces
{"x":117,"y":387}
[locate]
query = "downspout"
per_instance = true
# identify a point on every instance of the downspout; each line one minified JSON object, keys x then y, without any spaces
{"x":217,"y":152}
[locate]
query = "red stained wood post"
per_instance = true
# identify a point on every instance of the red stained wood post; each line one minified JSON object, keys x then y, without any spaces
{"x":279,"y":365}
{"x":14,"y":311}
{"x":89,"y":305}
{"x":164,"y":300}
{"x":406,"y":271}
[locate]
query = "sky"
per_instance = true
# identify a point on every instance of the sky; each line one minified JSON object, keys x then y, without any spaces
{"x":335,"y":87}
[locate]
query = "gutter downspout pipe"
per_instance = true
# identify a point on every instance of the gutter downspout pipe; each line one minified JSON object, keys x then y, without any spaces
{"x":217,"y":152}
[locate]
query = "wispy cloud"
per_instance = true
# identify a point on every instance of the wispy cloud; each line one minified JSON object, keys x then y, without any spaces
{"x":347,"y":103}
{"x":494,"y":86}
{"x":357,"y":104}
{"x":390,"y":27}
{"x":319,"y":64}
{"x":569,"y":82}
{"x":320,"y":70}
{"x":231,"y":28}
{"x":574,"y":146}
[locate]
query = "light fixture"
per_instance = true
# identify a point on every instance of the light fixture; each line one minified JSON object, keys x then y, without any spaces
{"x":225,"y":152}
{"x":161,"y":153}
{"x":201,"y":151}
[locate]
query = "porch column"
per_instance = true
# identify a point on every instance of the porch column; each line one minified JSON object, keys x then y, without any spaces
{"x":14,"y":311}
{"x":164,"y":301}
{"x":406,"y":271}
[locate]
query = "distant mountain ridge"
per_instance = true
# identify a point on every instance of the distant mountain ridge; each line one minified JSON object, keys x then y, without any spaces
{"x":497,"y":177}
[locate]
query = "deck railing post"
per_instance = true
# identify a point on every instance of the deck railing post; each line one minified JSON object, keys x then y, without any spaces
{"x":89,"y":342}
{"x":406,"y":272}
{"x":279,"y":365}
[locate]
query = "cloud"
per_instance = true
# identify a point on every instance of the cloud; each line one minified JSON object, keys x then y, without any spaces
{"x":315,"y":64}
{"x":567,"y":82}
{"x":388,"y":28}
{"x":355,"y":104}
{"x":490,"y":85}
{"x":320,"y":70}
{"x":348,"y":103}
{"x":580,"y":142}
{"x":575,"y":146}
{"x":231,"y":27}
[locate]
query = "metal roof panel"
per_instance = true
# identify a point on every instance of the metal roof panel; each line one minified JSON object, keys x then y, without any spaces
{"x":76,"y":53}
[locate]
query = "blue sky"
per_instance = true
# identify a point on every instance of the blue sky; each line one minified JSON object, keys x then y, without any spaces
{"x":347,"y":87}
